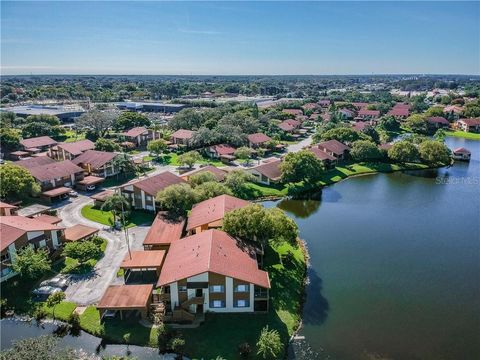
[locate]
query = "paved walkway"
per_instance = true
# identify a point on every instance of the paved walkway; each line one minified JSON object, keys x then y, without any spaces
{"x":89,"y":288}
{"x":300,"y":145}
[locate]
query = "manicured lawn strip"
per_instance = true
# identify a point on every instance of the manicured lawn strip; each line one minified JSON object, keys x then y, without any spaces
{"x":62,"y":310}
{"x":285,"y":298}
{"x":346,"y":170}
{"x":463,"y":134}
{"x":72,"y":136}
{"x":115,"y":329}
{"x":256,"y":190}
{"x":172,"y":159}
{"x":106,"y":218}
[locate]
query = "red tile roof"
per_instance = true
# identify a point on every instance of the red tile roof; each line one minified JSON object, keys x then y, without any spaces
{"x":134,"y":132}
{"x":470,"y":122}
{"x":49,"y":219}
{"x":101,"y":196}
{"x":289,"y":125}
{"x":213,"y":209}
{"x":153,"y":184}
{"x":77,"y":147}
{"x":4,"y":205}
{"x":13,"y":227}
{"x":126,"y":297}
{"x":399,"y":111}
{"x":270,"y":169}
{"x":183,"y":134}
{"x":213,"y":251}
{"x":143,"y":259}
{"x":57,"y":191}
{"x":258,"y":138}
{"x":219,"y":173}
{"x":320,"y":154}
{"x":163,"y":230}
{"x":360,"y":105}
{"x":359,"y":126}
{"x":37,"y":142}
{"x":223,"y":149}
{"x":55,"y":170}
{"x":96,"y":159}
{"x":91,"y":180}
{"x":334,"y":146}
{"x":79,"y":232}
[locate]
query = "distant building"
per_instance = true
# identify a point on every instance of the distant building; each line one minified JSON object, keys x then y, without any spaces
{"x":469,"y":125}
{"x":182,"y":137}
{"x":267,"y":173}
{"x":150,"y":107}
{"x":64,"y":113}
{"x":334,"y":148}
{"x":97,"y":163}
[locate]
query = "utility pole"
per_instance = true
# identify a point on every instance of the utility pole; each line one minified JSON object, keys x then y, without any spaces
{"x":125,"y":230}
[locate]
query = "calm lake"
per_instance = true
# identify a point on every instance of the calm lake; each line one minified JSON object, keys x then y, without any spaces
{"x":395,"y":269}
{"x":395,"y":265}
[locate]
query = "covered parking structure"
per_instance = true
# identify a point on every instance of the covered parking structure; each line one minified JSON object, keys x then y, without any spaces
{"x":127,"y":300}
{"x":80,"y":232}
{"x":142,"y":266}
{"x":89,"y":181}
{"x":59,"y":193}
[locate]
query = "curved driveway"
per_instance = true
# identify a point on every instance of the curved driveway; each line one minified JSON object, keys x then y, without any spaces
{"x":88,"y":289}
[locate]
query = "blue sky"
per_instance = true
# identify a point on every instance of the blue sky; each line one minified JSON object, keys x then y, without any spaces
{"x":239,"y":37}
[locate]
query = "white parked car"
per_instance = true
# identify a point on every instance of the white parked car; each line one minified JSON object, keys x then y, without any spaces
{"x":90,"y":187}
{"x":45,"y":291}
{"x":73,"y":193}
{"x":58,"y":281}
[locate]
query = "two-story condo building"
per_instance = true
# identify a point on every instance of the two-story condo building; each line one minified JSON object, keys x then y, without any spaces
{"x":69,"y":151}
{"x":97,"y":163}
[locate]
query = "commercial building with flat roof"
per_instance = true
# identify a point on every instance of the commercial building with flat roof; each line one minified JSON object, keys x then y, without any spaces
{"x":64,"y":113}
{"x":150,"y":107}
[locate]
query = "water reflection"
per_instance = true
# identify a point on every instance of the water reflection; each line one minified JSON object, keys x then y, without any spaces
{"x":299,"y":208}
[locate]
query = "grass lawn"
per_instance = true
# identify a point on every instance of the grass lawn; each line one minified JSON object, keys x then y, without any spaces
{"x":345,"y":170}
{"x":463,"y":134}
{"x":256,"y":190}
{"x":71,"y":136}
{"x":106,"y":218}
{"x":172,"y":159}
{"x":116,"y":181}
{"x":62,"y":310}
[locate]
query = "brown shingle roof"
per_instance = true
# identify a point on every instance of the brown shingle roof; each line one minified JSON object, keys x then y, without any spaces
{"x":320,"y":154}
{"x":223,"y":149}
{"x":213,"y":251}
{"x":49,"y":219}
{"x":470,"y":122}
{"x":213,"y":209}
{"x":37,"y":142}
{"x":77,"y":147}
{"x":34,"y":162}
{"x":55,"y":170}
{"x":134,"y":132}
{"x":153,"y":184}
{"x":4,"y":205}
{"x":438,"y":119}
{"x":79,"y":232}
{"x":258,"y":138}
{"x":183,"y":134}
{"x":219,"y":173}
{"x":163,"y":230}
{"x":95,"y":158}
{"x":334,"y":146}
{"x":126,"y":297}
{"x":270,"y":169}
{"x":143,"y":259}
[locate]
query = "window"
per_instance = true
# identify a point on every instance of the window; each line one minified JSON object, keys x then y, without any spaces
{"x":217,"y":304}
{"x":182,"y":288}
{"x":217,"y":289}
{"x":242,"y":288}
{"x":242,"y":303}
{"x":5,"y":256}
{"x":149,"y":198}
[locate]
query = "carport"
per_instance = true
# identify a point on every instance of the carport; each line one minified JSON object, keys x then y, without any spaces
{"x":143,"y":266}
{"x":56,"y":194}
{"x":89,"y":180}
{"x":130,"y":300}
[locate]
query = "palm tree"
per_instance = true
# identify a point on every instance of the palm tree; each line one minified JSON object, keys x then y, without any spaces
{"x":124,"y":164}
{"x":116,"y":204}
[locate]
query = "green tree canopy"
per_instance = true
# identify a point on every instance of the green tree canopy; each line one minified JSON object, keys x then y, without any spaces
{"x":190,"y":119}
{"x":301,"y":166}
{"x":9,"y":138}
{"x":30,"y":263}
{"x":201,"y":177}
{"x":157,"y":147}
{"x":16,"y":181}
{"x":364,"y":150}
{"x":189,"y":158}
{"x":41,"y":348}
{"x":130,"y":119}
{"x":236,"y":181}
{"x":116,"y":204}
{"x":403,"y":151}
{"x":244,"y":153}
{"x":269,"y":344}
{"x":96,"y":122}
{"x":389,"y":123}
{"x":102,"y":144}
{"x":344,"y":135}
{"x":82,"y":250}
{"x":210,"y":189}
{"x":417,"y":124}
{"x":434,"y":153}
{"x":177,"y":199}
